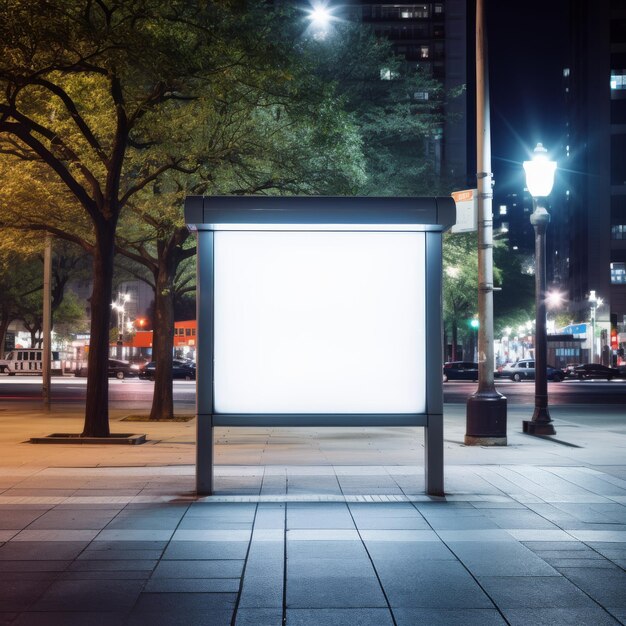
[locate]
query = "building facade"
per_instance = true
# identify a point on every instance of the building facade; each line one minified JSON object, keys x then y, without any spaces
{"x":594,"y":212}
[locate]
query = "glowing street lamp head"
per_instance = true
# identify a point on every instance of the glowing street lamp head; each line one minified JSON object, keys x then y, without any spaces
{"x":320,"y":16}
{"x":540,"y":173}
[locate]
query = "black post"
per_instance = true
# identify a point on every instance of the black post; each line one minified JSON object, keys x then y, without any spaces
{"x":541,"y":423}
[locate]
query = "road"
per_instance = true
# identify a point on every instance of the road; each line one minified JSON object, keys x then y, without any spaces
{"x":137,"y":394}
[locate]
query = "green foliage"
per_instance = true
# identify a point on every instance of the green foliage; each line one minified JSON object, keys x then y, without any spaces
{"x":515,"y":303}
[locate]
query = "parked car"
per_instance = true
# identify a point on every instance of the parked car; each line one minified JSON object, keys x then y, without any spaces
{"x":568,"y":370}
{"x":525,"y":370}
{"x":185,"y":370}
{"x":122,"y":369}
{"x":460,"y":370}
{"x":116,"y":367}
{"x":595,"y":370}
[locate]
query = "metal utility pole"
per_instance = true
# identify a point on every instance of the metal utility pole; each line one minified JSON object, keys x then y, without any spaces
{"x":47,"y":320}
{"x":486,"y":408}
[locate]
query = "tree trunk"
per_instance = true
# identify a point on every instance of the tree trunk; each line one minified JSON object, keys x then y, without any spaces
{"x":97,"y":404}
{"x":163,"y":337}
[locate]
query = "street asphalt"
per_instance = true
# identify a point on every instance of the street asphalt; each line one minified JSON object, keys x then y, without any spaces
{"x":313,"y":526}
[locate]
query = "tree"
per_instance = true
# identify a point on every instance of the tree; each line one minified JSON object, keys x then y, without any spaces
{"x":93,"y":91}
{"x":460,"y":284}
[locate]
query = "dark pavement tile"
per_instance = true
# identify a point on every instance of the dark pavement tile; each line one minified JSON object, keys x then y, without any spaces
{"x":120,"y":555}
{"x":259,"y":617}
{"x":90,"y":595}
{"x":510,"y":592}
{"x":115,"y":565}
{"x":41,"y":550}
{"x":431,"y":584}
{"x":199,"y":569}
{"x":73,"y":519}
{"x":409,"y":550}
{"x":605,"y":586}
{"x":186,"y":617}
{"x":33,"y":566}
{"x":19,"y":595}
{"x":17,"y":519}
{"x":77,"y":618}
{"x":187,"y":550}
{"x":339,"y":617}
{"x":192,"y":585}
{"x":155,"y":603}
{"x":325,"y":549}
{"x":448,"y":617}
{"x":592,"y":616}
{"x":335,"y":592}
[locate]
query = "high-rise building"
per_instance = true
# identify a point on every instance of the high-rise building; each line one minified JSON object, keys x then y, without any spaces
{"x":433,"y":37}
{"x":594,"y":215}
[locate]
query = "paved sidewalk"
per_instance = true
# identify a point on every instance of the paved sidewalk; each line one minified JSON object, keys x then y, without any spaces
{"x":313,"y":527}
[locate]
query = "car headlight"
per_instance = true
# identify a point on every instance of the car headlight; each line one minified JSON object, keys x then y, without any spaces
{"x":135,"y":367}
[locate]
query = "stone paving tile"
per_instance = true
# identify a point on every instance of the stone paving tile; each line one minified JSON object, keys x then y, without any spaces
{"x":191,"y":550}
{"x":41,"y":550}
{"x":413,"y":552}
{"x":153,"y":604}
{"x":431,"y":584}
{"x":500,"y":558}
{"x":349,"y":591}
{"x":339,"y":617}
{"x":592,"y":616}
{"x":192,"y":585}
{"x":448,"y":617}
{"x":314,"y":550}
{"x":33,"y":566}
{"x":119,"y":554}
{"x":199,"y":569}
{"x":259,"y":617}
{"x":605,"y":586}
{"x":181,"y":617}
{"x":114,"y":565}
{"x":17,"y":518}
{"x":73,"y":618}
{"x":19,"y":595}
{"x":534,"y":592}
{"x":74,"y":519}
{"x":90,"y":595}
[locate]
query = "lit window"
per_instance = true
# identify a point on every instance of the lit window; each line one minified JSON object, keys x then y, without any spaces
{"x":618,"y":80}
{"x":618,"y":231}
{"x":565,"y":72}
{"x":424,"y":52}
{"x":503,"y":209}
{"x":438,"y":9}
{"x":504,"y":228}
{"x":387,"y":74}
{"x":421,"y":95}
{"x":618,"y":273}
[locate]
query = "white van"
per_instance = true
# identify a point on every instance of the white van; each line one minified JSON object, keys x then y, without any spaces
{"x":27,"y":361}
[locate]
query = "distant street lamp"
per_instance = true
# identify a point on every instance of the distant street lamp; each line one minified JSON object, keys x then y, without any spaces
{"x":539,"y":181}
{"x":475,"y":324}
{"x":120,"y":306}
{"x":594,"y":303}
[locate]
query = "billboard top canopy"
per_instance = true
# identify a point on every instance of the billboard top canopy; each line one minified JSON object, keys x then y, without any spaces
{"x":319,"y":213}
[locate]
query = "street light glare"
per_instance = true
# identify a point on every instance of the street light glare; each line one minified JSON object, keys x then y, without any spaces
{"x":540,"y":173}
{"x":320,"y":16}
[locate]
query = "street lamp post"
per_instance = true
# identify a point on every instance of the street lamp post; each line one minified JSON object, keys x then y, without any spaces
{"x":594,"y":303}
{"x":120,"y":307}
{"x":539,"y":180}
{"x":486,"y":408}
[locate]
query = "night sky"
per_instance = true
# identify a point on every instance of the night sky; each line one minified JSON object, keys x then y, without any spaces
{"x":528,"y":49}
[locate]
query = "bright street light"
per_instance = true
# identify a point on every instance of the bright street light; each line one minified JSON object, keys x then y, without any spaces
{"x":554,"y":299}
{"x":539,"y":181}
{"x":595,"y":303}
{"x":320,"y":17}
{"x":540,"y":173}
